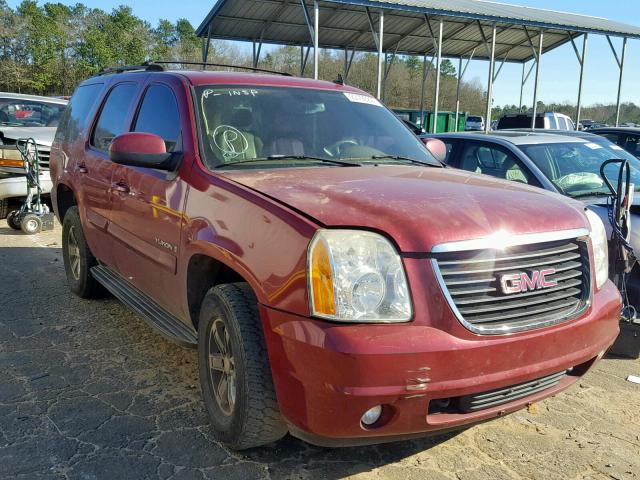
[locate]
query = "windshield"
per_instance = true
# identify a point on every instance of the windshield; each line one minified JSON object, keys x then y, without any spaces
{"x":271,"y":127}
{"x":574,"y":168}
{"x":474,"y":119}
{"x":29,"y":113}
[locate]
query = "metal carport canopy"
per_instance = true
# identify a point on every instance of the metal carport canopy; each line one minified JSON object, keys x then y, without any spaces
{"x":347,"y":24}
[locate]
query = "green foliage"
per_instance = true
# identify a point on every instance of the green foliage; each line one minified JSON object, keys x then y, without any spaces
{"x":447,"y":69}
{"x":50,"y":48}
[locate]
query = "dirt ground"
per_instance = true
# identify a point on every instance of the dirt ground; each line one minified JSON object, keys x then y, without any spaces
{"x":89,"y":391}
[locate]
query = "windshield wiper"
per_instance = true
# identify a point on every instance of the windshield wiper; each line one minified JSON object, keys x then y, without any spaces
{"x":271,"y":158}
{"x":403,"y":159}
{"x":591,"y":194}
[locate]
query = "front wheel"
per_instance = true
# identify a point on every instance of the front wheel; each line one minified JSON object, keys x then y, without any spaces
{"x":235,"y":374}
{"x":78,"y":259}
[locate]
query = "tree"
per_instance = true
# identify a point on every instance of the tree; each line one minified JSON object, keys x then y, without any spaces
{"x":447,"y":69}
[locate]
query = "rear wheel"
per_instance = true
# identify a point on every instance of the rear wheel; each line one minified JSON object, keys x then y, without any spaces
{"x":235,"y":374}
{"x":78,"y":259}
{"x":13,"y":220}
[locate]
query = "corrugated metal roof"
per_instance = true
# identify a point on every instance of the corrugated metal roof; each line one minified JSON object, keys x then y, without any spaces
{"x":344,"y":24}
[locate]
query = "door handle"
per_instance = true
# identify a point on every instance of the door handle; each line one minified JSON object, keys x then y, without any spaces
{"x":120,"y":187}
{"x":82,"y":168}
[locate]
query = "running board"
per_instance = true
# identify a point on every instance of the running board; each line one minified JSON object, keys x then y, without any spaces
{"x":156,"y":316}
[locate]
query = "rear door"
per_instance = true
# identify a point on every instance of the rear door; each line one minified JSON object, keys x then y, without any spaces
{"x":148,"y":204}
{"x":94,"y":169}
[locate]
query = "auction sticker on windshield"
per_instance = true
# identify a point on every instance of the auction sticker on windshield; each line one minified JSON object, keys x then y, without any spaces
{"x":593,"y":146}
{"x":358,"y":98}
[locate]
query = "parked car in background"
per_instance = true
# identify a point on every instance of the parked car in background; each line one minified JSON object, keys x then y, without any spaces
{"x":340,"y":283}
{"x":417,"y":129}
{"x":585,"y":124}
{"x":474,"y":123}
{"x":563,"y":162}
{"x":25,"y":116}
{"x":627,"y":138}
{"x":595,"y":125}
{"x":545,"y":121}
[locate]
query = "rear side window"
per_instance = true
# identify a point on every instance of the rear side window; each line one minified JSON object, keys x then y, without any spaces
{"x":75,"y":117}
{"x":562,"y":124}
{"x":159,"y":115}
{"x":553,"y":124}
{"x":113,"y":116}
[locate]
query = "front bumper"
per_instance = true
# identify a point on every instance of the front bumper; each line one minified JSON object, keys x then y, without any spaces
{"x":327,"y":375}
{"x":15,"y":186}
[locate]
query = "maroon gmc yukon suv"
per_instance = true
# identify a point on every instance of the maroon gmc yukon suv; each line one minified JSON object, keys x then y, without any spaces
{"x":339,"y":283}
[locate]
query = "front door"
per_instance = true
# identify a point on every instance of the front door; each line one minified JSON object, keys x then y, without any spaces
{"x":148,"y":204}
{"x":94,"y":170}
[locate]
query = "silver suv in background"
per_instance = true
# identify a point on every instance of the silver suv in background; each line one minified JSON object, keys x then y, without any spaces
{"x":474,"y":123}
{"x":25,"y":116}
{"x":544,"y":121}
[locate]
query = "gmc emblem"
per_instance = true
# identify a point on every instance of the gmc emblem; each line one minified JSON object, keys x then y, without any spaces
{"x":523,"y":282}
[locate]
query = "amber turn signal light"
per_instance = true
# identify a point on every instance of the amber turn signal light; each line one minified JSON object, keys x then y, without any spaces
{"x":322,"y":294}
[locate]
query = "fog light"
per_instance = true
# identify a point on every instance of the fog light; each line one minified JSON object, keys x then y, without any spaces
{"x":372,"y":415}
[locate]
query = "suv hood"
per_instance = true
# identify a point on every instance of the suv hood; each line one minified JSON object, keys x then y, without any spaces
{"x":418,"y":207}
{"x":42,"y":135}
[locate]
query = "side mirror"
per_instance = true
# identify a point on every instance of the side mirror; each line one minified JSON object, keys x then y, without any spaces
{"x":436,"y":147}
{"x":145,"y":150}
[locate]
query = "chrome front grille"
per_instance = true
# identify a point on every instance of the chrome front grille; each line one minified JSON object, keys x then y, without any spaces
{"x":522,"y":287}
{"x":44,"y":153}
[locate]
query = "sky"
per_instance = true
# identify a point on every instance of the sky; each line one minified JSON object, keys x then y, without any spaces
{"x":559,"y":68}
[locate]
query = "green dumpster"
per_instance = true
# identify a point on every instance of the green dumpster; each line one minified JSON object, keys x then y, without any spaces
{"x":446,"y":120}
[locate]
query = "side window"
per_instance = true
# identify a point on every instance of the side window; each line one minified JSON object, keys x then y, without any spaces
{"x":113,"y":116}
{"x":74,"y":119}
{"x":612,"y":137}
{"x":159,"y":115}
{"x":562,"y":123}
{"x":450,"y":146}
{"x":494,"y":161}
{"x":632,"y":145}
{"x":553,"y":124}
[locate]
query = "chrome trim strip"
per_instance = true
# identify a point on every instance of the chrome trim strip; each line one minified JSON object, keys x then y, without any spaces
{"x":507,"y":240}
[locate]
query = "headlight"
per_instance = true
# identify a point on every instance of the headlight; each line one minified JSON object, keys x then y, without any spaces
{"x":600,"y":247}
{"x":357,"y":276}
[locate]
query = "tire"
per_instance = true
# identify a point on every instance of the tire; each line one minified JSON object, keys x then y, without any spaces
{"x":4,"y":208}
{"x":13,"y":219}
{"x":250,"y":417}
{"x":30,"y":224}
{"x":75,"y":248}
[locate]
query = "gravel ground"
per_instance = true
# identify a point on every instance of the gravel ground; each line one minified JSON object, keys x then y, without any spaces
{"x":89,"y":391}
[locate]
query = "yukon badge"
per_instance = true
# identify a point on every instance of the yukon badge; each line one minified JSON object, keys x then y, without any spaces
{"x":523,"y":282}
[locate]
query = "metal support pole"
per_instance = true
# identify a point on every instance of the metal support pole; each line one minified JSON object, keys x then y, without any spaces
{"x":385,"y":69}
{"x":524,"y":64}
{"x":380,"y":57}
{"x":582,"y":62}
{"x":316,"y":39}
{"x":537,"y":81}
{"x":624,"y":53}
{"x":492,"y":62}
{"x":345,"y":71}
{"x":301,"y":60}
{"x":458,"y":93}
{"x":437,"y":94}
{"x":205,"y":47}
{"x":424,"y":81}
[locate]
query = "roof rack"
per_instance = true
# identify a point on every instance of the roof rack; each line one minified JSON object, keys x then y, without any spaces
{"x":144,"y":67}
{"x":223,"y":65}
